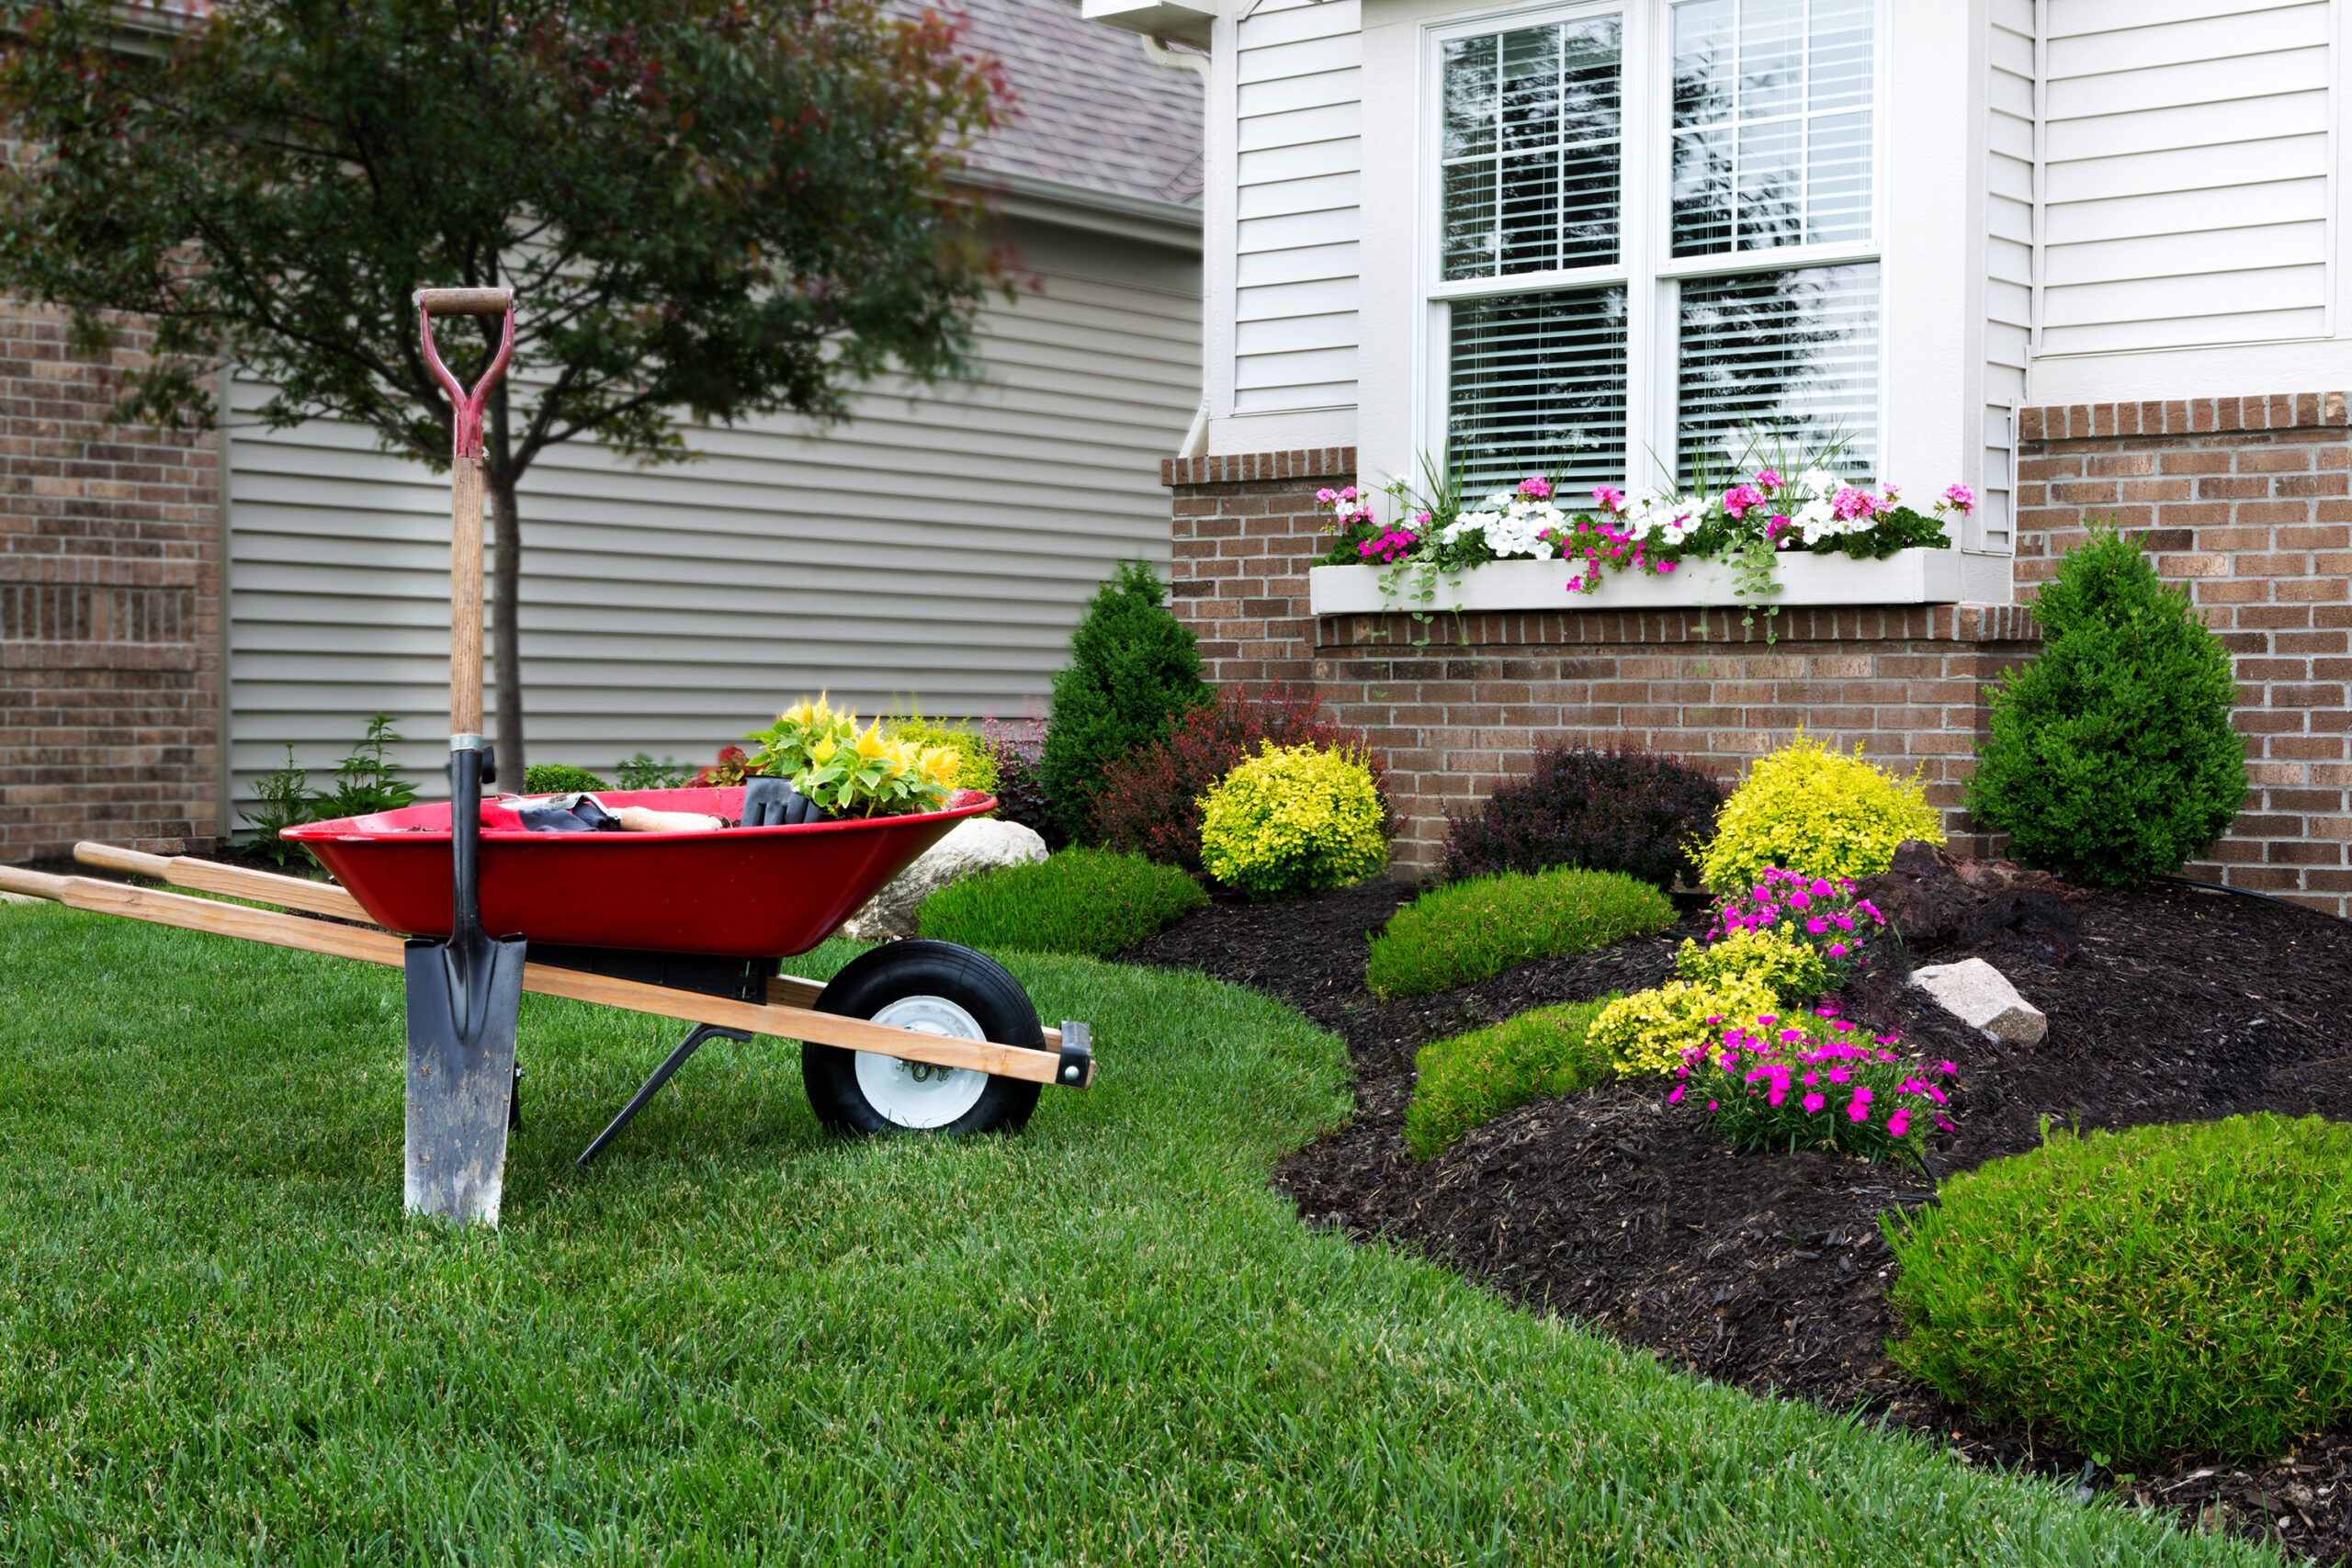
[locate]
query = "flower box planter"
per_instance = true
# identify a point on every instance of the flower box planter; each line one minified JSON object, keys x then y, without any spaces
{"x":1907,"y":577}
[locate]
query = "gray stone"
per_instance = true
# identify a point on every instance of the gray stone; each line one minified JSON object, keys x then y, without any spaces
{"x":1981,"y":997}
{"x":974,"y":845}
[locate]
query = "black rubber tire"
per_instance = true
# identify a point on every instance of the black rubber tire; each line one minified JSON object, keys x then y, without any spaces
{"x":973,"y":981}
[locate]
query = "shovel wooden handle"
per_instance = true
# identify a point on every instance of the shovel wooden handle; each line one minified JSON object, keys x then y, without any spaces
{"x":465,"y":597}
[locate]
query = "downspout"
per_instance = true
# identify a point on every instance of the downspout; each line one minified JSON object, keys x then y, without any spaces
{"x":1197,"y":434}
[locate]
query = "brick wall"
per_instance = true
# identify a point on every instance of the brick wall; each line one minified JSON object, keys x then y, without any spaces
{"x":1906,"y":685}
{"x":2248,"y":501}
{"x":109,"y":607}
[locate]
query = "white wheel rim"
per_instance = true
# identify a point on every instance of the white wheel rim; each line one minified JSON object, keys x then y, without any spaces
{"x":916,"y":1095}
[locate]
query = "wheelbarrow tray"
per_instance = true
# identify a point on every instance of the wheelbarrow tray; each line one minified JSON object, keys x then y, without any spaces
{"x":732,"y":893}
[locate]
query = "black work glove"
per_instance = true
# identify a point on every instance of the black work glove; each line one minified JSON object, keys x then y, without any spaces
{"x":773,"y":803}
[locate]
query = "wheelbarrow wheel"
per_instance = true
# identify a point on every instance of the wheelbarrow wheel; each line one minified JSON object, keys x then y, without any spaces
{"x":939,"y":989}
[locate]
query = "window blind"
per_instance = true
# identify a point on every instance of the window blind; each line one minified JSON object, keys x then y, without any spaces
{"x":1771,"y":126}
{"x":1531,"y":149}
{"x":1787,"y":359}
{"x":1538,"y":385}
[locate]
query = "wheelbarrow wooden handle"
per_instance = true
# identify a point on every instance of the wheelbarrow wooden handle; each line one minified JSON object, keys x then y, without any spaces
{"x":464,"y":301}
{"x":232,"y":881}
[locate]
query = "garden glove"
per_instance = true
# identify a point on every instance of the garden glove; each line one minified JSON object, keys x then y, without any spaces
{"x":773,"y":803}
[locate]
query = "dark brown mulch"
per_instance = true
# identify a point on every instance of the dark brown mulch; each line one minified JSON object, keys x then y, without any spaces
{"x":1770,"y":1271}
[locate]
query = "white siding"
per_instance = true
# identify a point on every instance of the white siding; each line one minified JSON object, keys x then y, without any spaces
{"x":2008,"y":258}
{"x":2186,"y":148}
{"x":1298,"y":177}
{"x":936,"y":546}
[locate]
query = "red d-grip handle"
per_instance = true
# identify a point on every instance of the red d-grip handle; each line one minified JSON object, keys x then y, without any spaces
{"x":467,"y":406}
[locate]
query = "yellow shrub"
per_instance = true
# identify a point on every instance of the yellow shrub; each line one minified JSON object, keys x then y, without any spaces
{"x":1650,"y":1031}
{"x":1293,"y":820}
{"x":1791,"y":970}
{"x":1810,"y":810}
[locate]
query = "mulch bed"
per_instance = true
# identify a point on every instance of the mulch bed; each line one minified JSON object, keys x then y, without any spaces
{"x":1768,"y":1271}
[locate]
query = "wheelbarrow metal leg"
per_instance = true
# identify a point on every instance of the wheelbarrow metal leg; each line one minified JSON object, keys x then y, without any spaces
{"x":653,"y":1086}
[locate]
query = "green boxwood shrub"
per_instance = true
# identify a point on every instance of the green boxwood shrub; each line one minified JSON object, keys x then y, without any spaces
{"x":1133,"y":670}
{"x":561,"y":778}
{"x":2180,"y":1291}
{"x":1080,"y":900}
{"x":1469,"y":1080}
{"x":1465,"y":932}
{"x":2110,"y":756}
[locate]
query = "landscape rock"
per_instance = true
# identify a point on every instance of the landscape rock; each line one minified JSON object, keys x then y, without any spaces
{"x":974,"y":845}
{"x":1981,"y":995}
{"x":1938,"y":901}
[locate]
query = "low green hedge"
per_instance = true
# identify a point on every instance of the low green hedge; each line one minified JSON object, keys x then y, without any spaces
{"x":1469,"y":1080}
{"x":1089,"y":901}
{"x":561,"y":778}
{"x":2180,"y":1291}
{"x":1462,"y":933}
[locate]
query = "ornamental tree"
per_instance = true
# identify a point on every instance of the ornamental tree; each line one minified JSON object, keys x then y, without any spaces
{"x":708,"y":210}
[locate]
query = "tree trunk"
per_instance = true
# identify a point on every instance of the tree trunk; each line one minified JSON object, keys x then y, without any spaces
{"x":506,"y":641}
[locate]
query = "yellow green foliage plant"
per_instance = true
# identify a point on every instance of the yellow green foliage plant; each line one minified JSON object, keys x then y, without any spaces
{"x":1791,"y":970}
{"x":1652,"y":1031}
{"x":975,"y":766}
{"x":822,"y":753}
{"x":1293,"y":819}
{"x":1822,"y":812}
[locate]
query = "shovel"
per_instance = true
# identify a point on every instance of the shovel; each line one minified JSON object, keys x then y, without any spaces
{"x":463,"y":994}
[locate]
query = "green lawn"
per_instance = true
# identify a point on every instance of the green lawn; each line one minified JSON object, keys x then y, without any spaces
{"x":1104,"y":1341}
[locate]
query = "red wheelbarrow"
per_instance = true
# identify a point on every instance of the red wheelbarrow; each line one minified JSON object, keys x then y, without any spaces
{"x":915,"y":1036}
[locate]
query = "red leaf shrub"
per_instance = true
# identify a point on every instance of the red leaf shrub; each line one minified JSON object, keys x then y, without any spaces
{"x":1149,"y":802}
{"x":1630,"y":811}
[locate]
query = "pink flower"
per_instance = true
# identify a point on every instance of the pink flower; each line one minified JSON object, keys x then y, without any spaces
{"x":1739,"y":497}
{"x":1349,"y":493}
{"x":1327,"y":495}
{"x":1767,"y":479}
{"x":1836,"y":950}
{"x":1676,"y":1098}
{"x":1608,"y":498}
{"x":1849,"y":504}
{"x":1899,"y":1123}
{"x":1813,"y":1102}
{"x":1817,"y":926}
{"x":1535,"y":487}
{"x":1858,"y":1107}
{"x":1665,"y":566}
{"x":1946,"y":1068}
{"x":1961,"y":497}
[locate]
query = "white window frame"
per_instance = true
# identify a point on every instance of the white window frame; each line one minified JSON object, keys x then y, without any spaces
{"x":1645,"y":265}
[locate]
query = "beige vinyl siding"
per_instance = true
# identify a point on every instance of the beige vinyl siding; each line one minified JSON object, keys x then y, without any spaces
{"x":2186,"y":173}
{"x":2009,"y":259}
{"x":938,"y":546}
{"x":1298,"y":171}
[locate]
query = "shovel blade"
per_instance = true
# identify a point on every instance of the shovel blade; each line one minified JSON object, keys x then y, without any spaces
{"x":463,"y":999}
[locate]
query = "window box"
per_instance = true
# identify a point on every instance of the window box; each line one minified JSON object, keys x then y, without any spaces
{"x":1906,"y":577}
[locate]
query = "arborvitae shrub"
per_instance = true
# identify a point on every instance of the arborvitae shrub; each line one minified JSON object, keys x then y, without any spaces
{"x":2111,"y":758}
{"x":1629,"y":811}
{"x":1150,"y":798}
{"x":1133,"y":670}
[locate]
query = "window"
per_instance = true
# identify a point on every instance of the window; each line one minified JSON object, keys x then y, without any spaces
{"x":1657,"y":237}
